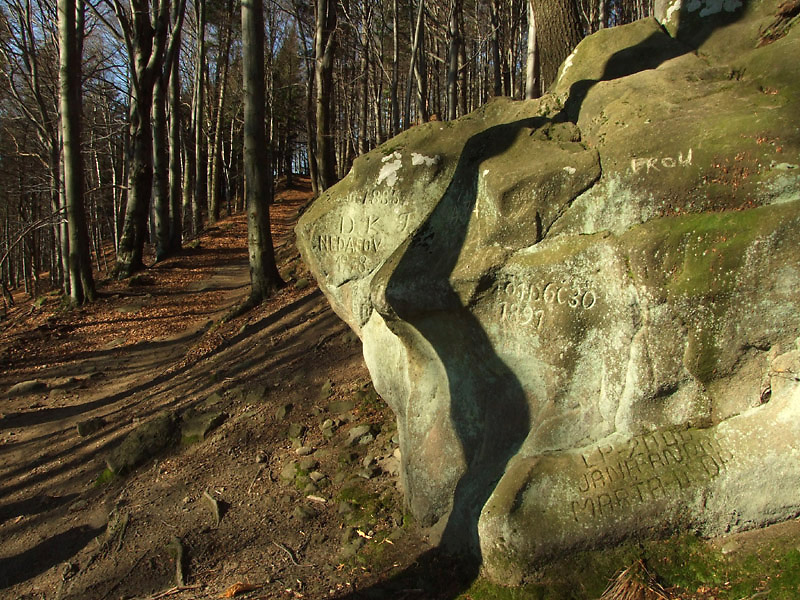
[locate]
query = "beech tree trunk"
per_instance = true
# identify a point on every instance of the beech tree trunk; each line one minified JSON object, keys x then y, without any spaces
{"x":70,"y":33}
{"x":175,"y":175}
{"x":264,"y":276}
{"x":558,"y":31}
{"x":146,"y":39}
{"x":532,"y":89}
{"x":324,"y":46}
{"x":216,"y":148}
{"x":200,"y":198}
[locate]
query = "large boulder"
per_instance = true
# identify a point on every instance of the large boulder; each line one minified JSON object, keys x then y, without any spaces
{"x":584,"y":309}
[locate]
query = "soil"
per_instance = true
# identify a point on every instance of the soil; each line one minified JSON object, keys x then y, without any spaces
{"x":69,"y":528}
{"x":290,"y":490}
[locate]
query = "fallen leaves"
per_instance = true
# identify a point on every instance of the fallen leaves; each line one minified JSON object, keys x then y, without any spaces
{"x":239,"y":588}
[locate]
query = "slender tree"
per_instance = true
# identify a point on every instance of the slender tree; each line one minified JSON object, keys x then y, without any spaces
{"x":558,"y":31}
{"x":70,"y":34}
{"x":264,"y":276}
{"x":324,"y":47}
{"x":162,"y":143}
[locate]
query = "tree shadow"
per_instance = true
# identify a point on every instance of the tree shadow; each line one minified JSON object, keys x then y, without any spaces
{"x":46,"y":554}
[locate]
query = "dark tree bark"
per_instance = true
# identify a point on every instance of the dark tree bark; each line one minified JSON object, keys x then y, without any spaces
{"x":264,"y":276}
{"x":70,"y":33}
{"x":200,"y":198}
{"x":558,"y":31}
{"x":162,"y":138}
{"x":175,"y":175}
{"x":216,"y":147}
{"x":324,"y":48}
{"x":145,"y":37}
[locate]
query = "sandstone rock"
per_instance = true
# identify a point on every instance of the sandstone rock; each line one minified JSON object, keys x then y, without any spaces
{"x":571,"y":303}
{"x":144,"y":442}
{"x":358,"y":433}
{"x":34,"y":386}
{"x":90,"y":426}
{"x":196,"y":424}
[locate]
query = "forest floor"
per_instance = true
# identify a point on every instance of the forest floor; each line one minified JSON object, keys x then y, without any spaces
{"x":271,"y":471}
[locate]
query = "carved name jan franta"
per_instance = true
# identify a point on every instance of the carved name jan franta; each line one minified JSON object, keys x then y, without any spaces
{"x":644,"y":469}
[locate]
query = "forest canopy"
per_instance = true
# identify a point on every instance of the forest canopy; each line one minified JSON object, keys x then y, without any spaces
{"x":150,"y":96}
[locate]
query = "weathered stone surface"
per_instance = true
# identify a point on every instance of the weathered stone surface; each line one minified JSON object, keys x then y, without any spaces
{"x":583,"y":309}
{"x":33,"y":386}
{"x":144,"y":442}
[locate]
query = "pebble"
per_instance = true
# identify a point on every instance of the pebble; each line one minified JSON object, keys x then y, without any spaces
{"x":304,"y":451}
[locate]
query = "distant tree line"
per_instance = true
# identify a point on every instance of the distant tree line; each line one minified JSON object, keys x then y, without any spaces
{"x":124,"y":122}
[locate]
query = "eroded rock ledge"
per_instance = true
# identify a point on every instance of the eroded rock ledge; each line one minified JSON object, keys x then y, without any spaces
{"x":584,"y":309}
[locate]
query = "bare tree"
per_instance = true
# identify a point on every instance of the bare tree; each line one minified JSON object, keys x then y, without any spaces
{"x":264,"y":276}
{"x":70,"y":30}
{"x":324,"y":47}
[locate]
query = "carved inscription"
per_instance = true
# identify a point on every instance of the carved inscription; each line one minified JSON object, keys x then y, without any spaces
{"x":644,"y":469}
{"x":524,"y":303}
{"x":382,"y":197}
{"x":354,"y":236}
{"x":660,"y":163}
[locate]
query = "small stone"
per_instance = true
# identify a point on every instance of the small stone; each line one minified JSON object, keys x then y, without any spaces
{"x":304,"y":513}
{"x":326,"y":424}
{"x":326,"y":390}
{"x":367,"y":439}
{"x":308,"y":464}
{"x":304,"y":450}
{"x":341,"y":406}
{"x":357,"y":432}
{"x":26,"y":387}
{"x":90,"y":426}
{"x":262,"y":457}
{"x":301,"y":284}
{"x":295,"y":431}
{"x":289,"y":471}
{"x":367,"y":472}
{"x":310,"y":488}
{"x":316,"y":476}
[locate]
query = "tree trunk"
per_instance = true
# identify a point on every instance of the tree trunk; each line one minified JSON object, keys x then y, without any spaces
{"x":175,"y":175}
{"x":532,"y":89}
{"x":70,"y":30}
{"x":454,"y":36}
{"x":558,"y":31}
{"x":324,"y":46}
{"x":216,"y":148}
{"x":200,"y":199}
{"x":393,"y":96}
{"x":495,"y":44}
{"x":264,"y":276}
{"x":147,"y":42}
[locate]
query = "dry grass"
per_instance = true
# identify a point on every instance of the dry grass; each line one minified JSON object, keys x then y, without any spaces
{"x":634,"y":583}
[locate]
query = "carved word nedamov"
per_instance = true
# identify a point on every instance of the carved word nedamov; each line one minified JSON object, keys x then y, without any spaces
{"x":644,"y":469}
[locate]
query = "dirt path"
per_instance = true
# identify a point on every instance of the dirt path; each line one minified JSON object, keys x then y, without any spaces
{"x":275,"y":375}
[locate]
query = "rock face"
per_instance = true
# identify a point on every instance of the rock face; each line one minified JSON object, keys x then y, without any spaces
{"x":584,"y":309}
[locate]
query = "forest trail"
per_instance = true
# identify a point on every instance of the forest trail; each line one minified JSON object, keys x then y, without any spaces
{"x":157,"y":344}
